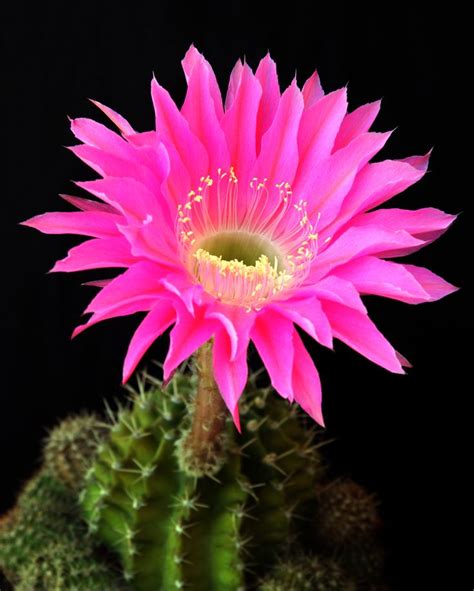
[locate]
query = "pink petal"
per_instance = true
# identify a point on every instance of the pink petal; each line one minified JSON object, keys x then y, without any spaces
{"x":278,"y":158}
{"x":199,"y":111}
{"x":131,"y":198}
{"x":174,"y":130}
{"x":309,"y":315}
{"x":116,"y":118}
{"x":188,"y":334}
{"x":99,"y":136}
{"x":155,"y":323}
{"x":192,"y":60}
{"x":306,"y":382}
{"x":140,"y":282}
{"x":88,"y":204}
{"x":230,"y":360}
{"x":96,"y":254}
{"x":107,"y":164}
{"x":419,"y":162}
{"x":318,"y":130}
{"x":336,"y":289}
{"x":120,"y":310}
{"x":329,"y":184}
{"x":276,"y":353}
{"x":312,"y":90}
{"x":374,"y":276}
{"x":240,"y":122}
{"x":425,"y":224}
{"x":148,"y":241}
{"x":358,"y":332}
{"x":84,"y":223}
{"x":266,"y":74}
{"x":356,"y":242}
{"x":433,"y":284}
{"x":355,"y":123}
{"x":376,"y":183}
{"x":234,"y":82}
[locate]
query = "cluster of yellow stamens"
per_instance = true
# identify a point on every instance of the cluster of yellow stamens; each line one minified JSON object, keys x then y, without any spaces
{"x":245,"y":248}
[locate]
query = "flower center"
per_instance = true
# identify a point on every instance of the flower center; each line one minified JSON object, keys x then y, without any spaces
{"x":245,"y":247}
{"x":240,"y":246}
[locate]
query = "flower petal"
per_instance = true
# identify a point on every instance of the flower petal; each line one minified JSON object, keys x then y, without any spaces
{"x":131,"y":198}
{"x":154,"y":325}
{"x":188,"y":334}
{"x":99,"y":136}
{"x":174,"y":130}
{"x":312,"y":90}
{"x":425,"y":224}
{"x":306,"y":382}
{"x":376,"y":183}
{"x":230,"y":362}
{"x":358,"y":332}
{"x":88,"y":204}
{"x":336,"y":289}
{"x":240,"y":123}
{"x":116,"y":118}
{"x":124,"y":309}
{"x":374,"y":276}
{"x":234,"y":82}
{"x":433,"y":284}
{"x":200,"y":112}
{"x":309,"y":315}
{"x":98,"y":253}
{"x":328,"y":185}
{"x":355,"y":123}
{"x":140,"y":282}
{"x":191,"y":61}
{"x":276,"y":354}
{"x":266,"y":74}
{"x":85,"y":223}
{"x":318,"y":130}
{"x":278,"y":158}
{"x":356,"y":242}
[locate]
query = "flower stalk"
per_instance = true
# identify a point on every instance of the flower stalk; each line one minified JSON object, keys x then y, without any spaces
{"x":202,"y":448}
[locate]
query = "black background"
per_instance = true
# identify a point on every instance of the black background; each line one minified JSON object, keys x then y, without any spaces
{"x":399,"y":435}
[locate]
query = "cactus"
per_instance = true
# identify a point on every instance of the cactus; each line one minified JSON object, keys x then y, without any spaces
{"x":44,"y":546}
{"x":308,"y":573}
{"x":347,"y":514}
{"x":185,"y":502}
{"x":173,"y":529}
{"x":70,"y":448}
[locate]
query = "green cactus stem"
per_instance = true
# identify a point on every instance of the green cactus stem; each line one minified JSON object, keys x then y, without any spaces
{"x":174,"y":530}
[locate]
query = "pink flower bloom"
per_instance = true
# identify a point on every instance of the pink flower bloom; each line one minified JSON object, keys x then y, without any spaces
{"x":238,"y":221}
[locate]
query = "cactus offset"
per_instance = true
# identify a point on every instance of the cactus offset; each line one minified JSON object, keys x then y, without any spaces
{"x":70,"y":448}
{"x":44,"y":525}
{"x":347,"y":513}
{"x":308,"y":573}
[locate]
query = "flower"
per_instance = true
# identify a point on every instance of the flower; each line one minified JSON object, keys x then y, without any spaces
{"x":238,"y":221}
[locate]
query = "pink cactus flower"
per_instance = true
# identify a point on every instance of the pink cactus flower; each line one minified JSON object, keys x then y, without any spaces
{"x":239,"y":220}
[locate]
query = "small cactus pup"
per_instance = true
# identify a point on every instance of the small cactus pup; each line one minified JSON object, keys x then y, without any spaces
{"x":308,"y":573}
{"x":348,"y":522}
{"x":44,"y":545}
{"x":187,"y":502}
{"x":70,"y":448}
